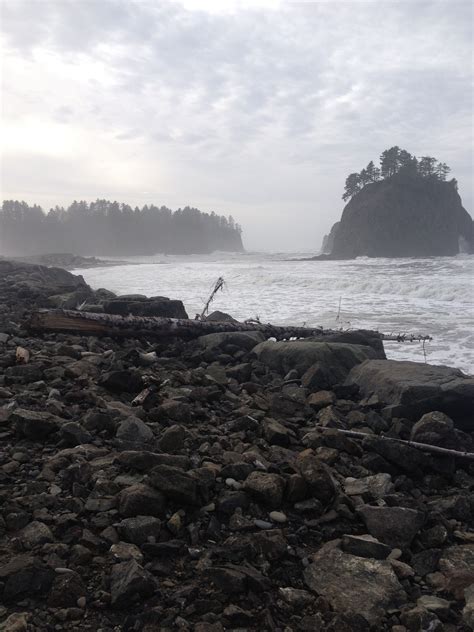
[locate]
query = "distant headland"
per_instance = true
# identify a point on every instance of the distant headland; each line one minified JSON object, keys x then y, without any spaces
{"x":109,"y":228}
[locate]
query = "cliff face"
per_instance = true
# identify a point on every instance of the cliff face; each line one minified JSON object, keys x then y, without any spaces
{"x":403,"y":216}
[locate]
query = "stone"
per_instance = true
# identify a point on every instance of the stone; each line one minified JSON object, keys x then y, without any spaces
{"x":435,"y":428}
{"x":338,"y":357}
{"x":211,"y":345}
{"x":139,"y":529}
{"x":74,"y":434}
{"x":457,"y":558}
{"x":123,"y":381}
{"x":377,"y":486}
{"x":123,"y":551}
{"x":141,"y":500}
{"x":174,"y":410}
{"x":16,"y":622}
{"x":35,"y":534}
{"x":275,"y":433}
{"x":411,"y":389}
{"x":295,"y":597}
{"x":317,"y":477}
{"x":395,"y":526}
{"x":24,"y":575}
{"x":355,"y":585}
{"x":434,"y":604}
{"x":265,"y":488}
{"x":134,"y":431}
{"x":172,"y":439}
{"x":34,"y":425}
{"x":321,"y":399}
{"x":67,"y":588}
{"x":365,"y":546}
{"x":278,"y":516}
{"x":468,"y":611}
{"x":175,"y":484}
{"x":129,"y":582}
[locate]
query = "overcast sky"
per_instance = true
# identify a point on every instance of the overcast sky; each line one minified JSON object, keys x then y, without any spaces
{"x":256,"y":109}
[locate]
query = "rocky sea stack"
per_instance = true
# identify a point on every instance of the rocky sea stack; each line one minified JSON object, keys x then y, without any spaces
{"x":405,"y":208}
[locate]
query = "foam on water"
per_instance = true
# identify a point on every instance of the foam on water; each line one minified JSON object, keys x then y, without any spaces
{"x":432,"y":296}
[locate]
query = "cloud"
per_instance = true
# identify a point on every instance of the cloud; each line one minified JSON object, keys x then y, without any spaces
{"x":251,"y":108}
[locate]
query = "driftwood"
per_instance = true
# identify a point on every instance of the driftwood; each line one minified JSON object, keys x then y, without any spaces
{"x":92,"y":324}
{"x":425,"y":447}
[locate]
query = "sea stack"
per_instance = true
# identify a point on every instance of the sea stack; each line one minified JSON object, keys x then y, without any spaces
{"x":402,"y":216}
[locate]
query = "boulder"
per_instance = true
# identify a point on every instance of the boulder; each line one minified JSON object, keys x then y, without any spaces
{"x":355,"y":585}
{"x":229,"y":341}
{"x":395,"y":526}
{"x":157,"y":306}
{"x":175,"y":484}
{"x":266,"y":488}
{"x":129,"y":582}
{"x":33,"y":424}
{"x":411,"y":389}
{"x":337,"y":358}
{"x":25,"y":575}
{"x":435,"y":428}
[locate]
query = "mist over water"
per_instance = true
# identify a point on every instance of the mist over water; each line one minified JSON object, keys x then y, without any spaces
{"x":430,"y":296}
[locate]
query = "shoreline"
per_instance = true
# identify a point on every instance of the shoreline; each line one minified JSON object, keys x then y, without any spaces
{"x":151,"y":482}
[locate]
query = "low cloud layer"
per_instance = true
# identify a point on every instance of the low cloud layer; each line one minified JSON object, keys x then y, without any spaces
{"x":258,"y":110}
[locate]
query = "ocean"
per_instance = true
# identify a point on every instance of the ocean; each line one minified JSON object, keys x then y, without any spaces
{"x":431,"y":296}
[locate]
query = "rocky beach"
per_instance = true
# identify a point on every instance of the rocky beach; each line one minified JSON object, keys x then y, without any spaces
{"x":226,"y":482}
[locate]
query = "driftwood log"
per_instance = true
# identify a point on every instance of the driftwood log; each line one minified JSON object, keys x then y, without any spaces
{"x":425,"y":447}
{"x":88,"y":323}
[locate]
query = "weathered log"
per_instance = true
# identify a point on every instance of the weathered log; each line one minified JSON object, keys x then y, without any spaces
{"x":425,"y":447}
{"x":87,"y":323}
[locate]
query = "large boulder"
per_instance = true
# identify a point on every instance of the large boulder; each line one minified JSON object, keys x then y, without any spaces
{"x":142,"y":306}
{"x":411,"y":389}
{"x":335,"y":359}
{"x":355,"y":585}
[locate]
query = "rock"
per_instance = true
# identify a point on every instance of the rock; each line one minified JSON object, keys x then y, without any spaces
{"x":134,"y":431}
{"x":123,"y":551}
{"x":175,"y":411}
{"x":212,"y":345}
{"x":434,"y":604}
{"x":220,"y":317}
{"x":337,"y":357}
{"x":139,"y":529}
{"x":74,"y":434}
{"x":468,"y":611}
{"x":175,"y":484}
{"x":278,"y":516}
{"x":321,"y":399}
{"x":355,"y":585}
{"x":275,"y":433}
{"x":34,"y":425}
{"x":35,"y":534}
{"x":123,"y":381}
{"x":411,"y":389}
{"x":129,"y":582}
{"x":160,"y":306}
{"x":295,"y":597}
{"x":457,"y":558}
{"x":265,"y":488}
{"x":141,"y":500}
{"x":435,"y":428}
{"x":24,"y":575}
{"x":365,"y":546}
{"x":16,"y":622}
{"x":405,"y":215}
{"x":66,"y":590}
{"x":376,"y":486}
{"x":317,"y":477}
{"x":172,"y":439}
{"x":395,"y":526}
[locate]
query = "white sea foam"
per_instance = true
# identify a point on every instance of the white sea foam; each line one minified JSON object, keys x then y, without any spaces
{"x":433,"y":296}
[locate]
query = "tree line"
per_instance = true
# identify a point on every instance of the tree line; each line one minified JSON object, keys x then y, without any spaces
{"x":110,"y":228}
{"x":392,"y":161}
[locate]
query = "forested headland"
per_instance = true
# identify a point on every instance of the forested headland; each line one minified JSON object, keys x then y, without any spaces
{"x":110,"y":228}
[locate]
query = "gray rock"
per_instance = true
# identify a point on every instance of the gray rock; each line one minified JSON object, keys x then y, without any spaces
{"x":468,"y":611}
{"x":338,"y":358}
{"x":175,"y":484}
{"x":33,"y":424}
{"x":457,"y":558}
{"x":74,"y":434}
{"x":172,"y":439}
{"x":355,"y":585}
{"x":411,"y":389}
{"x":276,"y":433}
{"x":266,"y":488}
{"x":365,"y":546}
{"x":138,"y":529}
{"x":435,"y":428}
{"x":24,"y":575}
{"x":141,"y":500}
{"x":129,"y":582}
{"x":134,"y":431}
{"x":213,"y":344}
{"x":395,"y":526}
{"x":35,"y":534}
{"x":317,"y":477}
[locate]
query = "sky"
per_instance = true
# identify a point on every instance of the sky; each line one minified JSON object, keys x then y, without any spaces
{"x":258,"y":109}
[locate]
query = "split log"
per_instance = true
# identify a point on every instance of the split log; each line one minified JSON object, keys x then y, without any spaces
{"x":92,"y":324}
{"x":425,"y":447}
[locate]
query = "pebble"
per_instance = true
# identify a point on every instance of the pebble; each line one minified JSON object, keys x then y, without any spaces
{"x":278,"y":516}
{"x":262,"y":524}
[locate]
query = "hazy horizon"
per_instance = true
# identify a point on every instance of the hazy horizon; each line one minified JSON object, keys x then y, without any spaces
{"x":255,"y":109}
